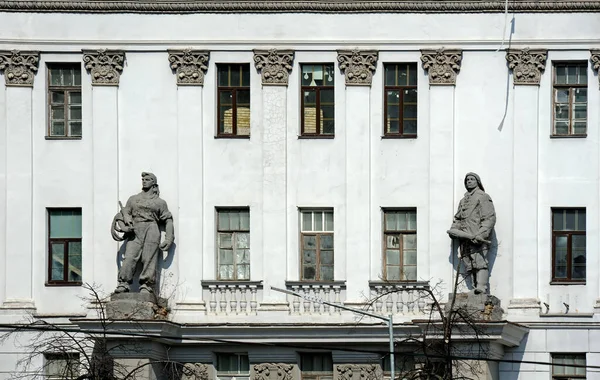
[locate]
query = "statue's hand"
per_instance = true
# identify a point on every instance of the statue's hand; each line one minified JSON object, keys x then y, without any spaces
{"x":166,"y":244}
{"x":127,"y":219}
{"x":126,"y":229}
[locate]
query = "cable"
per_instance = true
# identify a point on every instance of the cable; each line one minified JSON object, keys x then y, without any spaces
{"x":505,"y":23}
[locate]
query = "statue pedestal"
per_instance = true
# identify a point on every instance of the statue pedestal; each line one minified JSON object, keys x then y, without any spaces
{"x":140,"y":306}
{"x":479,"y":306}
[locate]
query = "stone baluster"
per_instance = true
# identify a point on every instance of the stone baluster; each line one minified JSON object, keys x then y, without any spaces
{"x":253,"y":302}
{"x":327,"y":297}
{"x":306,"y":303}
{"x":243,"y":301}
{"x":233,"y":306}
{"x":223,"y":299}
{"x":296,"y":301}
{"x":213,"y":299}
{"x":378,"y":300}
{"x":337,"y":290}
{"x":411,"y":300}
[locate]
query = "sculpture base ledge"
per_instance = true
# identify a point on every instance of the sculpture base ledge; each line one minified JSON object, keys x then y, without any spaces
{"x":484,"y":307}
{"x":137,"y":306}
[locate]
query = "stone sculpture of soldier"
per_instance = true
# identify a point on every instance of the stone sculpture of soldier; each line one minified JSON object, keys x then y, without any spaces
{"x":140,"y":221}
{"x":472,"y":226}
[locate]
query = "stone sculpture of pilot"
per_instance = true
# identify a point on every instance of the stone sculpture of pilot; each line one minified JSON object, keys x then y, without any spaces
{"x":472,"y":226}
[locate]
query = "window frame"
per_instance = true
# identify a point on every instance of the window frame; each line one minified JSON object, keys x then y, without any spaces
{"x":573,"y":356}
{"x":569,"y":234}
{"x":400,"y":134}
{"x":570,"y":87}
{"x":386,"y":232}
{"x":50,"y":241}
{"x":66,"y":90}
{"x":233,"y":232}
{"x":315,"y":375}
{"x":317,"y":89}
{"x":61,"y":356}
{"x":220,"y":374}
{"x":234,"y":106}
{"x":317,"y":235}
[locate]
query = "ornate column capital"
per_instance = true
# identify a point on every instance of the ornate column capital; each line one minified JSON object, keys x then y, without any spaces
{"x":596,"y":62}
{"x":105,"y":66}
{"x":274,"y":66}
{"x":19,"y":67}
{"x":273,"y":371}
{"x":194,"y":371}
{"x":189,"y":66}
{"x":359,"y":371}
{"x":527,"y":65}
{"x":358,"y":66}
{"x":442,"y":65}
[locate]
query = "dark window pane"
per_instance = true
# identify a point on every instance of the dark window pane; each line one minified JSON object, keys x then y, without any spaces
{"x":581,"y":220}
{"x":58,"y":113}
{"x":410,"y":111}
{"x":235,"y":75}
{"x":410,"y":95}
{"x":58,"y":261}
{"x":243,"y":98}
{"x":558,"y":220}
{"x":74,"y":97}
{"x":246,"y":75}
{"x":223,"y":75}
{"x":570,"y":219}
{"x":327,"y":257}
{"x":309,"y":257}
{"x":327,"y":97}
{"x":65,"y":223}
{"x":328,"y":127}
{"x":309,"y":272}
{"x":56,"y":77}
{"x":410,"y":127}
{"x":74,"y":261}
{"x":326,"y":273}
{"x":390,"y":75}
{"x":58,"y":97}
{"x":412,"y":74}
{"x":329,"y":75}
{"x":75,"y":128}
{"x":392,"y":126}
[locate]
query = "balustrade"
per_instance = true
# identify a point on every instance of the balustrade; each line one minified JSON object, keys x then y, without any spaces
{"x":232,"y":298}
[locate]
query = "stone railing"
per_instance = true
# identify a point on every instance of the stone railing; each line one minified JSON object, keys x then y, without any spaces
{"x":401,"y":298}
{"x":325,"y":291}
{"x":232,"y":297}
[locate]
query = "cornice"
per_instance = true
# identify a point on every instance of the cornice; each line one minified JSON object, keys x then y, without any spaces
{"x":304,"y":6}
{"x":19,"y":67}
{"x":527,"y":65}
{"x":358,"y":66}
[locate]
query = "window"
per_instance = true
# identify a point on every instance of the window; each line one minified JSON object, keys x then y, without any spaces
{"x":317,"y":245}
{"x":231,"y":366}
{"x":61,"y":366}
{"x":562,"y":366}
{"x":400,"y":245}
{"x":233,"y":235}
{"x":64,"y":245}
{"x":402,"y":365}
{"x":233,"y":100}
{"x":568,"y":246}
{"x":318,"y":106}
{"x":64,"y":100}
{"x":570,"y":99}
{"x":316,"y":366}
{"x":400,"y":107}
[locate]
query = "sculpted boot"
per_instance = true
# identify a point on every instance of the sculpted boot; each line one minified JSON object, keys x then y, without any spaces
{"x":482,"y":277}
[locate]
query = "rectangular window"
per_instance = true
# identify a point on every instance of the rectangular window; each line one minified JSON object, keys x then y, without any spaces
{"x":64,"y":100}
{"x":400,"y":108}
{"x":568,"y":366}
{"x":568,"y":244}
{"x":402,"y":365}
{"x":233,"y":88}
{"x":61,"y":366}
{"x":233,"y":239}
{"x":570,"y":99}
{"x":233,"y":366}
{"x":316,"y":366}
{"x":318,"y":105}
{"x":64,"y":246}
{"x":316,"y":236}
{"x":400,"y":245}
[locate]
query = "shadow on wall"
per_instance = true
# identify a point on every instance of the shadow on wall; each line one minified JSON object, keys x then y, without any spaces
{"x":512,"y":370}
{"x":454,"y":259}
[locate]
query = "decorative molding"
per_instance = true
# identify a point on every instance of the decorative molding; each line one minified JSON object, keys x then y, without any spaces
{"x":105,"y":66}
{"x":274,"y":66}
{"x":442,"y":65}
{"x":358,"y":66}
{"x":19,"y":67}
{"x":364,"y":371}
{"x":189,"y":66}
{"x":596,"y":62}
{"x":302,"y":6}
{"x":194,"y":371}
{"x":527,"y":65}
{"x":273,"y":371}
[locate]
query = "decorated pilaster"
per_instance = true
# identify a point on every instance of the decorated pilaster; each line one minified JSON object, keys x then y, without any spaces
{"x":19,"y":69}
{"x":190,"y":67}
{"x":274,"y":371}
{"x":105,"y":68}
{"x":274,"y":67}
{"x":595,"y":60}
{"x":195,"y":371}
{"x":358,"y":68}
{"x":442,"y":67}
{"x":527,"y":68}
{"x":358,"y":371}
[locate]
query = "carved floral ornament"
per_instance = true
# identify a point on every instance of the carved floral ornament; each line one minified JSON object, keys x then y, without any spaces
{"x":189,"y":66}
{"x":105,"y":66}
{"x":358,"y":66}
{"x":527,"y":65}
{"x":273,"y":371}
{"x":441,"y":65}
{"x":365,"y":371}
{"x":596,"y":62}
{"x":194,"y":371}
{"x":274,"y":66}
{"x":19,"y":67}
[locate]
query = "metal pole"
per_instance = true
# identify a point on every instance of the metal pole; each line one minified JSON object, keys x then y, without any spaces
{"x":392,"y":355}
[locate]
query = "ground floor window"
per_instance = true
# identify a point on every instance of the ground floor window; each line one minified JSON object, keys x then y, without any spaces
{"x":568,"y":366}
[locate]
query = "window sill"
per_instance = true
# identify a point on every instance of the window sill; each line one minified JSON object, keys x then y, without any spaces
{"x":234,"y":137}
{"x":63,"y":137}
{"x":316,"y":137}
{"x":60,"y":284}
{"x":411,"y":284}
{"x":401,"y":137}
{"x":568,"y":136}
{"x":567,"y":315}
{"x":567,"y":282}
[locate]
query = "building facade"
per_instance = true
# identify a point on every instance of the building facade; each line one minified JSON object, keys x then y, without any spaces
{"x":315,"y":147}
